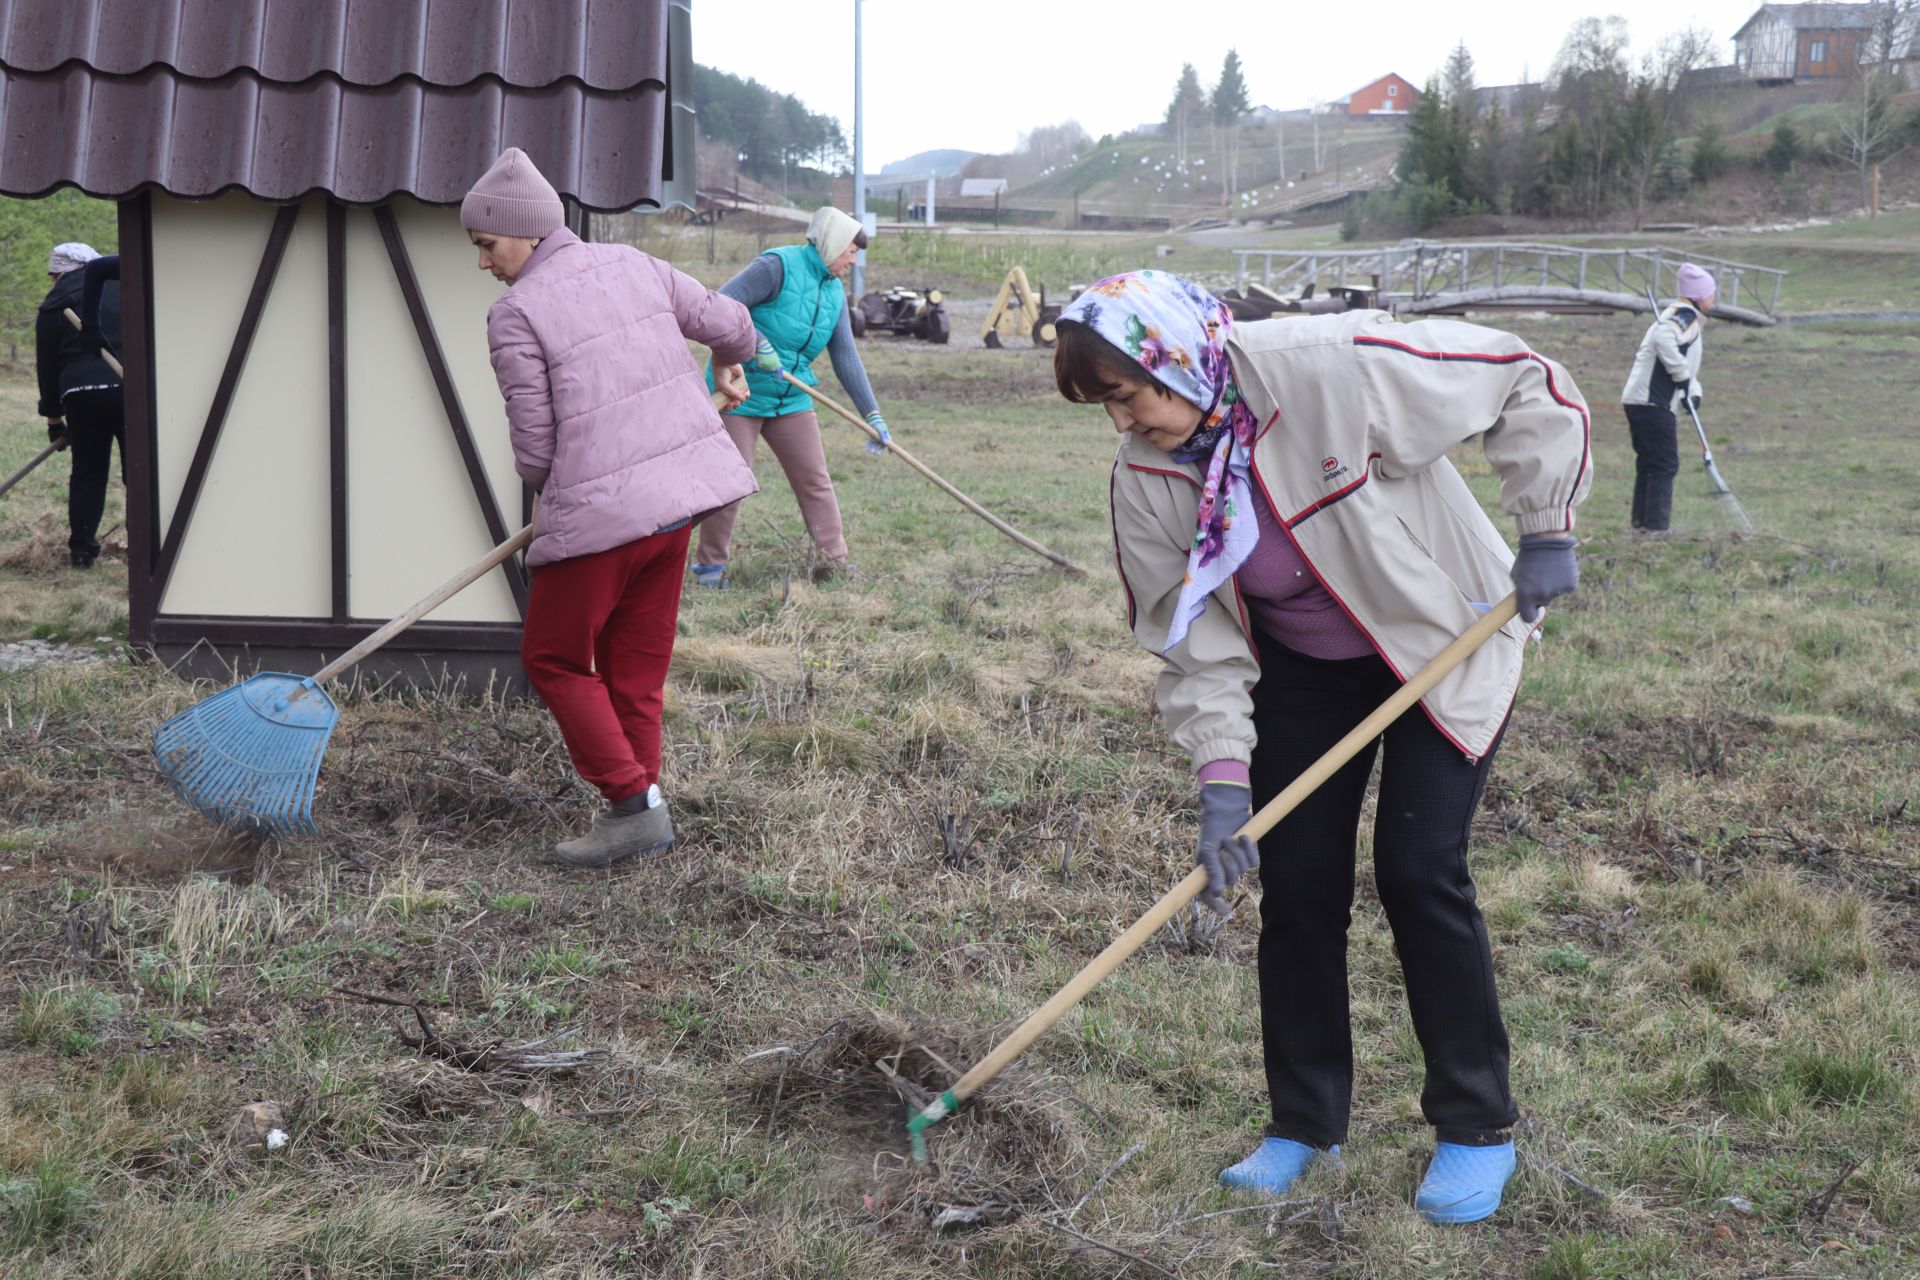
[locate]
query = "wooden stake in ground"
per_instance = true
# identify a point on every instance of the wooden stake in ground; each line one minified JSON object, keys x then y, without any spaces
{"x":1009,"y":1049}
{"x":895,"y":449}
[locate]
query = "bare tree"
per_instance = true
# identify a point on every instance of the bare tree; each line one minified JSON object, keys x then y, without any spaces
{"x":1667,"y":68}
{"x":1871,"y":120}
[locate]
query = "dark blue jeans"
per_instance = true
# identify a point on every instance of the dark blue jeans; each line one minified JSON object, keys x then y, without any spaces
{"x":1428,"y":794}
{"x":1656,"y":461}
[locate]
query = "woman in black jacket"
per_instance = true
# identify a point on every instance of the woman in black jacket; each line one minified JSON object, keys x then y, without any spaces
{"x":80,"y":394}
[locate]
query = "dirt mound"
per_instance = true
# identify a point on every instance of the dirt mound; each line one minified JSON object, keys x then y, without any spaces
{"x":855,"y":1082}
{"x":152,"y":844}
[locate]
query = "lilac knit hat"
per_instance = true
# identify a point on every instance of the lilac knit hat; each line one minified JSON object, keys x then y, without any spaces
{"x":512,"y":199}
{"x":1695,"y":283}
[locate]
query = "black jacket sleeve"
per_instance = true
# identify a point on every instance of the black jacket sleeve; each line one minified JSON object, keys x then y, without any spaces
{"x":48,"y":339}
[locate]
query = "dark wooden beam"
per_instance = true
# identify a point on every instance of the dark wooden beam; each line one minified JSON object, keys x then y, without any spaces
{"x":223,"y":393}
{"x":449,"y":397}
{"x":337,"y":400}
{"x":141,"y":441}
{"x":333,"y":637}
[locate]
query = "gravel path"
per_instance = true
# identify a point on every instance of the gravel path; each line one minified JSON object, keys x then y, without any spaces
{"x":21,"y":654}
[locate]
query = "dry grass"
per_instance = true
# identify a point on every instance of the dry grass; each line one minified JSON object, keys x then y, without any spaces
{"x":910,"y":806}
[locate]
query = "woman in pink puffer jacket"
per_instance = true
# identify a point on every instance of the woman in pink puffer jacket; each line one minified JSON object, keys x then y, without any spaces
{"x":612,"y":425}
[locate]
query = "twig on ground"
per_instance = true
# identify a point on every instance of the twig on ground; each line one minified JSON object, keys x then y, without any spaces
{"x":492,"y":1057}
{"x":1101,"y":1181}
{"x":1585,"y":1188}
{"x":1265,"y":1206}
{"x":1113,"y":1249}
{"x":910,"y":1093}
{"x":1825,"y":1202}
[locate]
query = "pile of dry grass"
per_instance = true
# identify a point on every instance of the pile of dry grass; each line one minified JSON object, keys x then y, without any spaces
{"x":37,"y":547}
{"x":854,"y":1083}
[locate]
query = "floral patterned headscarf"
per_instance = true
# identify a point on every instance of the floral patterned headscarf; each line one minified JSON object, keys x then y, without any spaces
{"x":1177,"y":332}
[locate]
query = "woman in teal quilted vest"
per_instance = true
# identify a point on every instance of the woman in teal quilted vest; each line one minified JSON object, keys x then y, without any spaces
{"x":800,"y":309}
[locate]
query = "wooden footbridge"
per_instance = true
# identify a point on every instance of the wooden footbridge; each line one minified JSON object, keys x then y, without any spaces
{"x":1435,"y":278}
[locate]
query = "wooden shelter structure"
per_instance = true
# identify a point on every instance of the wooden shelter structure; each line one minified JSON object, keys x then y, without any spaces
{"x":314,"y":436}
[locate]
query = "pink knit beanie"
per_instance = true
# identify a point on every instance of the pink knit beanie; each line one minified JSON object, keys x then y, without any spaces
{"x":512,"y":199}
{"x":1695,"y":283}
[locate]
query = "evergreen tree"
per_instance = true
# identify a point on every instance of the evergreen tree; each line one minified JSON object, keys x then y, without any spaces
{"x":1433,"y":159}
{"x":1227,"y":105}
{"x":1187,"y":107}
{"x":1641,"y":143}
{"x":1712,"y":157}
{"x":1459,"y":79}
{"x":1786,"y":148}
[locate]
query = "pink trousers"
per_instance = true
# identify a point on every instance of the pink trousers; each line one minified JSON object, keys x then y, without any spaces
{"x":795,"y":440}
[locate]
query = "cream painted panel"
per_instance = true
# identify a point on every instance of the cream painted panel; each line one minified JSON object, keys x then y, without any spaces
{"x":259,"y":542}
{"x":205,"y":255}
{"x":412,"y":516}
{"x":458,"y":294}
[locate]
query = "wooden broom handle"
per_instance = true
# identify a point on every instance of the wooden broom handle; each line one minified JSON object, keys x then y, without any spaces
{"x":105,"y":354}
{"x":446,"y":591}
{"x":896,"y":448}
{"x":1004,"y":1053}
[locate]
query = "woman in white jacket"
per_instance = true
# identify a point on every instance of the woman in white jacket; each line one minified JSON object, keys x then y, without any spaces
{"x":1666,"y":372}
{"x":1293,"y":543}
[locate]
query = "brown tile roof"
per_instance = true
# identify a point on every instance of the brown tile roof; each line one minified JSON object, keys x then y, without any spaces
{"x":360,"y":98}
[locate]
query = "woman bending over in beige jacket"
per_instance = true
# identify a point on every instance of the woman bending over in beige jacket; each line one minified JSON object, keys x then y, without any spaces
{"x":1293,"y":543}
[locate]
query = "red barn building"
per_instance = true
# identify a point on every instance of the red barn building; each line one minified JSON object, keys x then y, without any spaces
{"x":1390,"y":95}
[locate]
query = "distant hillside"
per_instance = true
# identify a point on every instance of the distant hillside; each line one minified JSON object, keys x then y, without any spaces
{"x":1134,"y":173}
{"x":943,"y":163}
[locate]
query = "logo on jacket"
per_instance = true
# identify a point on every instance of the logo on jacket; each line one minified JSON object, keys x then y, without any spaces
{"x":1332,"y":468}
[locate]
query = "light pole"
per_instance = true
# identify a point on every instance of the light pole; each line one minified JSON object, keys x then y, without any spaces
{"x":859,"y":160}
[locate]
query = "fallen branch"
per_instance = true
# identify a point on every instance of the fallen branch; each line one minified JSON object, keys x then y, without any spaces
{"x":1825,"y":1202}
{"x":492,"y":1057}
{"x":1113,"y":1249}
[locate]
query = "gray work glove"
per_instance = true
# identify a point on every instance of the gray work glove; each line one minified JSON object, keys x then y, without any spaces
{"x":1225,"y":807}
{"x":1544,"y":569}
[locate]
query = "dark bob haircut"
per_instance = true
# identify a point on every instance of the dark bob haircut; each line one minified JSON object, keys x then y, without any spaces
{"x":1089,"y":370}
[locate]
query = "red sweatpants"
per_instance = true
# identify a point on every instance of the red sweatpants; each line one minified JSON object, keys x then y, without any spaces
{"x":598,"y":638}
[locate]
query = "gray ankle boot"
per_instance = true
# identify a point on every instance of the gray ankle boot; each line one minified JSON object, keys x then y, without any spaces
{"x":617,"y":835}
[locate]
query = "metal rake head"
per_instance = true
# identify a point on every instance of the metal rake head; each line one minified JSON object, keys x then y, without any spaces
{"x":249,"y":756}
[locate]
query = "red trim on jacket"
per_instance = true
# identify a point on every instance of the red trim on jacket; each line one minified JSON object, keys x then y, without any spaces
{"x":1366,"y":472}
{"x":1287,"y":526}
{"x":1476,"y":357}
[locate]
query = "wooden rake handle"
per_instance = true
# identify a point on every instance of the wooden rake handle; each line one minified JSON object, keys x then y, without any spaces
{"x":898,"y":450}
{"x":441,"y":594}
{"x":27,"y":470}
{"x":1004,"y":1053}
{"x":105,"y":354}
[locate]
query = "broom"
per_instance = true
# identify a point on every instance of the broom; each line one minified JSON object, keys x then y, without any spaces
{"x":1042,"y":1019}
{"x":249,"y":756}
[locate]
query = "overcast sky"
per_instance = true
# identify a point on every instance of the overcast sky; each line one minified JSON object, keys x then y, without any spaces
{"x":976,"y":73}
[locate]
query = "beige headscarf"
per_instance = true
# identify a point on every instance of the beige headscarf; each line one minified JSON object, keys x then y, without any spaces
{"x":831,"y":231}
